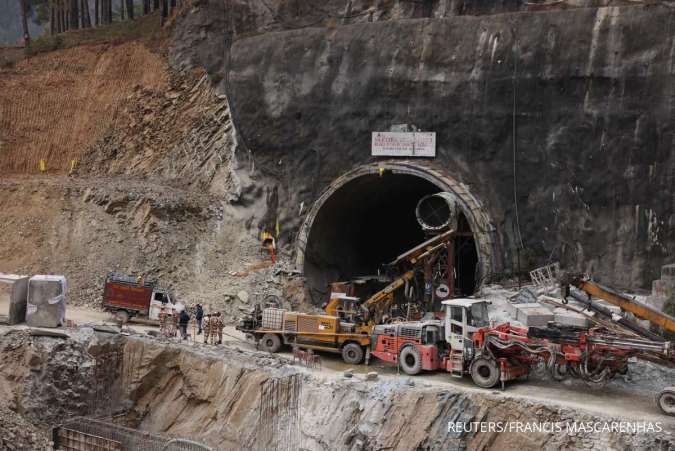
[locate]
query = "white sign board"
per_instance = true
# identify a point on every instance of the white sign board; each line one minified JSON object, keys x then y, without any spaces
{"x":404,"y":144}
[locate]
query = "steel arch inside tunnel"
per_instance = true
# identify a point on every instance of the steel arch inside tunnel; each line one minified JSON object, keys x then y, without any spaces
{"x":367,"y":217}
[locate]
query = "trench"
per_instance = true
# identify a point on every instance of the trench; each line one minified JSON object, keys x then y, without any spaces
{"x":367,"y":222}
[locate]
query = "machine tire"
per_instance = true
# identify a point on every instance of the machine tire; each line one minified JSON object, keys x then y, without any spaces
{"x":484,"y":372}
{"x":410,"y":360}
{"x":352,"y":353}
{"x":122,"y":316}
{"x":559,"y":372}
{"x":270,"y":343}
{"x":666,"y":400}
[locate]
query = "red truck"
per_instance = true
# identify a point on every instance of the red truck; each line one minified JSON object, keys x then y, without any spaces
{"x":466,"y":343}
{"x":129,"y":296}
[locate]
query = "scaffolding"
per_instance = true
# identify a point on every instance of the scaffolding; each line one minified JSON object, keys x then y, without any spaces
{"x":547,"y":277}
{"x":88,"y":434}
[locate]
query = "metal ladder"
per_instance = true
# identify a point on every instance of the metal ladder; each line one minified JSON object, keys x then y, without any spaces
{"x":457,"y":363}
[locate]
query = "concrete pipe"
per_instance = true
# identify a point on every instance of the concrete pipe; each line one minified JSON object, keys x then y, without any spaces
{"x":438,"y":211}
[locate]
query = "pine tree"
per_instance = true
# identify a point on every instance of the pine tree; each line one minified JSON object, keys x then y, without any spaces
{"x":24,"y":21}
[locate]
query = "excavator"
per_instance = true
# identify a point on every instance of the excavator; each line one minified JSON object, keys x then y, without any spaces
{"x":348,"y":322}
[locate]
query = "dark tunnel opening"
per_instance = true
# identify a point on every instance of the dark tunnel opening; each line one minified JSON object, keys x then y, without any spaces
{"x":369,"y":221}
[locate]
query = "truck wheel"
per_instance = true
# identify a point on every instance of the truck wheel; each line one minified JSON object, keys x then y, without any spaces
{"x":352,"y":353}
{"x":270,"y":343}
{"x":122,"y":316}
{"x":410,"y":360}
{"x":484,"y":373}
{"x":666,"y":400}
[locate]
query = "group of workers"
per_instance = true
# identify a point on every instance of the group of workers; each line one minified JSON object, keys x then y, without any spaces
{"x":211,"y":324}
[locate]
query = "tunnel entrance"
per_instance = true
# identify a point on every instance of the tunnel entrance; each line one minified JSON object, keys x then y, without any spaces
{"x":368,"y":221}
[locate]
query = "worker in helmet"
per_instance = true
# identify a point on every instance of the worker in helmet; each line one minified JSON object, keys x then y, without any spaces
{"x":218,"y":328}
{"x":269,"y":245}
{"x":207,"y":327}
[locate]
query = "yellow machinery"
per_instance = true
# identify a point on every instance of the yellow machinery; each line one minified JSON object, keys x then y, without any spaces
{"x":665,"y":399}
{"x":348,"y":323}
{"x":662,"y":320}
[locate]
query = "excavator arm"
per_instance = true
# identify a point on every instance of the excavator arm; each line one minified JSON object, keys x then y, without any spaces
{"x":377,"y":304}
{"x":637,"y":308}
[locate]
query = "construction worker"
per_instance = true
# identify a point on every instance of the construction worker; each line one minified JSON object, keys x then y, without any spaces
{"x":162,"y":321}
{"x":174,"y":322}
{"x":207,"y":327}
{"x":184,"y":319}
{"x":199,"y":316}
{"x":218,"y":328}
{"x":269,"y":244}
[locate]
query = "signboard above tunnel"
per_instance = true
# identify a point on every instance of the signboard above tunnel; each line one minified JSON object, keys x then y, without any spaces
{"x":403,"y":144}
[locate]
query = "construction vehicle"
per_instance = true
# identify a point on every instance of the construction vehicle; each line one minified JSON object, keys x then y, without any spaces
{"x":348,"y":323}
{"x":465,"y":343}
{"x":661,"y":323}
{"x":129,"y":296}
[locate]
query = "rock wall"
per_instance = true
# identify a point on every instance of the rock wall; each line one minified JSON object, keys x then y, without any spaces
{"x":576,"y":103}
{"x":217,"y":395}
{"x":236,"y":399}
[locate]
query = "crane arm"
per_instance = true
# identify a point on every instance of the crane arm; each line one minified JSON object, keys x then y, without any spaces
{"x":418,"y":252}
{"x":637,"y":308}
{"x":386,"y":292}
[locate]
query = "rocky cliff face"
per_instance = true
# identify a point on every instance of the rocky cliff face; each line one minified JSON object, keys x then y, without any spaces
{"x":245,"y":400}
{"x":235,"y":398}
{"x":571,"y":109}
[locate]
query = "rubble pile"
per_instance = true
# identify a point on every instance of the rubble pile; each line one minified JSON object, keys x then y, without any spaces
{"x":16,"y":433}
{"x":48,"y":377}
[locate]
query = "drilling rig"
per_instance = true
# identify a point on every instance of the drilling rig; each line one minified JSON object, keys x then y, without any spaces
{"x":348,"y":321}
{"x":465,"y":343}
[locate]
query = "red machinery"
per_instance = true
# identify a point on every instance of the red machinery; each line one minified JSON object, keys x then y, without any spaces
{"x":465,"y":343}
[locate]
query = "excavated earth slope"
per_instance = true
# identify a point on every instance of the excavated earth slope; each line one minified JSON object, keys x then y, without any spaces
{"x":233,"y":399}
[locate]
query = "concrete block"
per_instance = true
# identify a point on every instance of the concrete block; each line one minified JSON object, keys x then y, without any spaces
{"x":511,"y":309}
{"x":516,"y":307}
{"x":17,"y":308}
{"x":46,"y":305}
{"x":568,"y":318}
{"x":18,"y":293}
{"x":534,"y":315}
{"x":523,"y":297}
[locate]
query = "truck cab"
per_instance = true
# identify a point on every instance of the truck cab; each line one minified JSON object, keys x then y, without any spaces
{"x":161,"y":298}
{"x":463,"y":317}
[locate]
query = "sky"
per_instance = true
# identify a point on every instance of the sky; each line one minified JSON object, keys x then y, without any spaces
{"x":10,"y":23}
